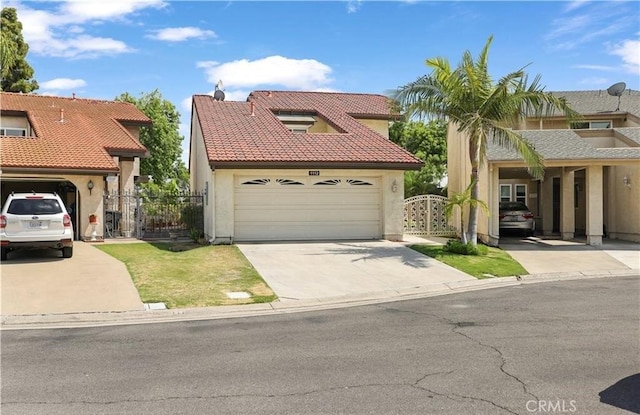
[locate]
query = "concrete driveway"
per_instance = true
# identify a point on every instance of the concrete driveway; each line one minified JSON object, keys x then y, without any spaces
{"x":304,"y":270}
{"x":548,"y":255}
{"x":42,"y":282}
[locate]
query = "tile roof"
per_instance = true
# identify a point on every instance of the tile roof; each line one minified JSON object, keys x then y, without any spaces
{"x":234,"y":137}
{"x":90,"y":133}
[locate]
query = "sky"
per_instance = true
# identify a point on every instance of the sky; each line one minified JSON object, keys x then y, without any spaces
{"x":101,"y":49}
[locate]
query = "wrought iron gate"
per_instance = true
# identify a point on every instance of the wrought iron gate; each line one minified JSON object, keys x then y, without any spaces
{"x":424,"y":215}
{"x":144,"y":215}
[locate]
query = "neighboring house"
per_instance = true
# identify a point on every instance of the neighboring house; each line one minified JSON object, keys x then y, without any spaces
{"x":76,"y":147}
{"x":298,"y":166}
{"x":591,"y":186}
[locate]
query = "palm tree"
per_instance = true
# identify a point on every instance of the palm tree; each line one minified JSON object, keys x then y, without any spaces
{"x":461,"y":200}
{"x":483,"y":111}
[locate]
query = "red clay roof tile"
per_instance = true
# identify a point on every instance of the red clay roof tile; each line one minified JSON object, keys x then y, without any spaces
{"x":233,"y":136}
{"x":70,"y":133}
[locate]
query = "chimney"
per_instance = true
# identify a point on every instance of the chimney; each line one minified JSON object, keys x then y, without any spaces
{"x":253,"y":113}
{"x":61,"y":114}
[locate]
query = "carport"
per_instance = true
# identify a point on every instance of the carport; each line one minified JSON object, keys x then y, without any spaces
{"x":60,"y":185}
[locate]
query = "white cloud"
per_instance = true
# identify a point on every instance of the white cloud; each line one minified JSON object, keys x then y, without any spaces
{"x":573,"y":5}
{"x":629,"y":51}
{"x":354,"y":5}
{"x":179,"y":34}
{"x":596,"y":67}
{"x":305,"y":74}
{"x":595,"y":81}
{"x":63,"y":83}
{"x":185,"y":104}
{"x":59,"y":32}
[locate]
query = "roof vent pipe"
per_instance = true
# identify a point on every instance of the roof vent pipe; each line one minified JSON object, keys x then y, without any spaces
{"x":61,"y":114}
{"x":253,"y":113}
{"x":73,"y":96}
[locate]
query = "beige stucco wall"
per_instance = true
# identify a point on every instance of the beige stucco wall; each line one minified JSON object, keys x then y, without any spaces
{"x":16,"y":122}
{"x":321,"y":126}
{"x":201,"y":176}
{"x":379,"y":126}
{"x":623,"y":209}
{"x":222,"y":227}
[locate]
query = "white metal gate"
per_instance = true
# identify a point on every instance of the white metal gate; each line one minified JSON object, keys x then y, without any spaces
{"x":424,"y":215}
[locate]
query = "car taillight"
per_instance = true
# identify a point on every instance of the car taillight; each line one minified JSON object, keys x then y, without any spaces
{"x":3,"y":221}
{"x":66,"y":221}
{"x":527,"y":216}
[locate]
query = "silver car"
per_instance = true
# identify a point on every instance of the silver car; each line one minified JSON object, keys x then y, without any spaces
{"x":35,"y":221}
{"x":516,"y":215}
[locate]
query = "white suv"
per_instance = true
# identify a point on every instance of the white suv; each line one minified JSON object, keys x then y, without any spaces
{"x":35,"y":220}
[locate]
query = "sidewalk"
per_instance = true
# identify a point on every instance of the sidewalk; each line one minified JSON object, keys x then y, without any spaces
{"x":52,"y":321}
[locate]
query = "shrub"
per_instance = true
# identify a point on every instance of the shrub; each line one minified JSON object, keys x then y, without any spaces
{"x":456,"y":247}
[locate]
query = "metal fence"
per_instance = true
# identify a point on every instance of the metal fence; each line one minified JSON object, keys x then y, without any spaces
{"x":144,"y":215}
{"x":424,"y":215}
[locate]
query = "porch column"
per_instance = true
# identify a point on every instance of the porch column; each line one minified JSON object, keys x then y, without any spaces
{"x":494,"y":205}
{"x":547,"y":205}
{"x":567,"y":205}
{"x":594,"y":196}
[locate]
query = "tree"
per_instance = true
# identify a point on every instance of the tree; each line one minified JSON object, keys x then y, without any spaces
{"x":17,"y":74}
{"x":428,"y":142}
{"x":163,"y":140}
{"x":461,"y":200}
{"x":481,"y":110}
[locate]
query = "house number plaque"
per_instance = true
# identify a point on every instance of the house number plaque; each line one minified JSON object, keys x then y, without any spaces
{"x":314,"y":172}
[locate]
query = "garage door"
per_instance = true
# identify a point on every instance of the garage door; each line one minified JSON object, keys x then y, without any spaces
{"x":306,"y":208}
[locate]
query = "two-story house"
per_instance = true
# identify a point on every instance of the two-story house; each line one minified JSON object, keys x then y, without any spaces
{"x":76,"y":147}
{"x":298,"y":166}
{"x":591,"y":186}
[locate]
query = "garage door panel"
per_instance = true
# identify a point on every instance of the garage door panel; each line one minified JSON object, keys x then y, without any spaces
{"x":292,"y":214}
{"x":269,"y":231}
{"x":304,"y":199}
{"x":346,"y":209}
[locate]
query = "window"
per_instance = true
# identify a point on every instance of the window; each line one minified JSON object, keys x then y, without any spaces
{"x":521,"y":193}
{"x":591,"y":125}
{"x":513,"y":193}
{"x":297,"y":123}
{"x":13,"y":132}
{"x":505,"y":193}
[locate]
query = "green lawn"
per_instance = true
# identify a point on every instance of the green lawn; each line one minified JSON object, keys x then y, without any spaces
{"x":497,"y":262}
{"x":190,"y":275}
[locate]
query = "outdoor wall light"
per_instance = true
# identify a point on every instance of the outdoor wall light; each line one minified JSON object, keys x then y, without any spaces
{"x":90,"y":186}
{"x":627,"y":181}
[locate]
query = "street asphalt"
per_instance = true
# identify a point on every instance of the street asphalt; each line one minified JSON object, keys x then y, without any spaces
{"x":558,"y":347}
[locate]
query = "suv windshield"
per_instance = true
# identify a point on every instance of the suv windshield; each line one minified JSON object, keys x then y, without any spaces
{"x":34,"y":207}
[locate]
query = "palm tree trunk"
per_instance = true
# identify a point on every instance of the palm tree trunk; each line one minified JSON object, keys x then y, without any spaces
{"x":474,"y":155}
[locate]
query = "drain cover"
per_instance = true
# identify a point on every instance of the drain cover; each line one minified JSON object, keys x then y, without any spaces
{"x":239,"y":295}
{"x":155,"y":306}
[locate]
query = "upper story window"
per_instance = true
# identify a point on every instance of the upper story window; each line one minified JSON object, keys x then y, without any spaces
{"x":592,"y":125}
{"x":13,"y":132}
{"x":296,"y":122}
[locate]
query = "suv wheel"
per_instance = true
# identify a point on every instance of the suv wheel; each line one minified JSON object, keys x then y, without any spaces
{"x":67,"y":252}
{"x":3,"y":253}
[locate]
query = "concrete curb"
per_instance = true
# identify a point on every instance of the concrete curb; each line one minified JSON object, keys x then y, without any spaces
{"x":77,"y":320}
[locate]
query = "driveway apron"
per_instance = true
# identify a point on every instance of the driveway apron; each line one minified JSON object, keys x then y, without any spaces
{"x":304,"y":270}
{"x":542,"y":256}
{"x":41,"y":282}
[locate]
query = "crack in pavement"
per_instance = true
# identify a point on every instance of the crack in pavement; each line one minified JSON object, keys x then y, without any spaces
{"x":458,"y":325}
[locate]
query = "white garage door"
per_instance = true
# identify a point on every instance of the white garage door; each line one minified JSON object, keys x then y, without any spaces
{"x":306,"y":208}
